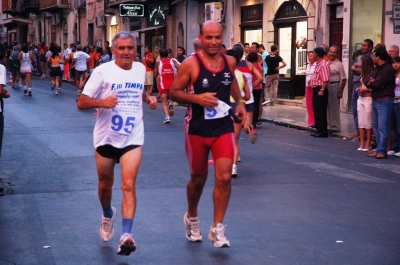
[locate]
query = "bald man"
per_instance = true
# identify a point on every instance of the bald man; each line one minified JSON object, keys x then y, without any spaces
{"x":210,"y":80}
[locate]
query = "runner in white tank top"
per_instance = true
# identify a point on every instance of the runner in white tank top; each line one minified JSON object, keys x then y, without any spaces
{"x":26,"y":60}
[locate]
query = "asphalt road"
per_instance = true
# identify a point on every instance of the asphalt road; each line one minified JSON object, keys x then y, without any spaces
{"x":297,"y":199}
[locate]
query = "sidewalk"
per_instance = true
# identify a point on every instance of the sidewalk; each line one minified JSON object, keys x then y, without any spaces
{"x":296,"y":117}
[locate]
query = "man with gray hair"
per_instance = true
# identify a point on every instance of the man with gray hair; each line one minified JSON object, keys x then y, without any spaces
{"x":336,"y":86}
{"x":117,"y":89}
{"x":197,"y":45}
{"x":393,"y":51}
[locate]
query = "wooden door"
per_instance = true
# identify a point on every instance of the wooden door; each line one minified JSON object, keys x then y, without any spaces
{"x":336,"y":35}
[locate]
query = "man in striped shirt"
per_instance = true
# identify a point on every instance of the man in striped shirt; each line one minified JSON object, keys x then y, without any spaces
{"x":319,"y":83}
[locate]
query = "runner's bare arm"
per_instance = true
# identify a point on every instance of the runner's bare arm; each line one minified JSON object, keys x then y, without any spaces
{"x":86,"y":102}
{"x":186,"y":74}
{"x":150,"y":100}
{"x":155,"y":71}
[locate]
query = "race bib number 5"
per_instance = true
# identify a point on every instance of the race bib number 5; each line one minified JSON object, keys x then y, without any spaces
{"x":219,"y":111}
{"x":122,"y":124}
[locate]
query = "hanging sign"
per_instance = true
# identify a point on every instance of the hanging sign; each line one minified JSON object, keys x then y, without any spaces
{"x":131,"y":10}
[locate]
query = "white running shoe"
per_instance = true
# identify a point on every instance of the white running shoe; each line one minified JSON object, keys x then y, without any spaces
{"x":167,"y":120}
{"x":193,"y":232}
{"x":126,"y":245}
{"x":234,"y":171}
{"x":391,"y":153}
{"x":217,"y":235}
{"x":397,"y":154}
{"x":107,"y":227}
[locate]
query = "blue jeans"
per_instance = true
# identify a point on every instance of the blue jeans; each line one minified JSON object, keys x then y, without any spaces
{"x":354,"y":99}
{"x":395,"y":127}
{"x":381,"y":111}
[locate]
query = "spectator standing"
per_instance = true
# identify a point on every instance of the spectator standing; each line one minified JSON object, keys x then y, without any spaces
{"x":382,"y":85}
{"x":180,"y":52}
{"x":319,"y":83}
{"x":149,"y":62}
{"x":105,"y":58}
{"x":246,"y":50}
{"x":309,"y":91}
{"x":3,"y":93}
{"x":364,"y":105}
{"x":94,"y":58}
{"x":336,"y":86}
{"x":272,"y":78}
{"x":393,"y":51}
{"x":395,"y":117}
{"x":366,"y":48}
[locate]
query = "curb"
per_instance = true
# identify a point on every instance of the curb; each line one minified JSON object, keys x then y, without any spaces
{"x":304,"y":128}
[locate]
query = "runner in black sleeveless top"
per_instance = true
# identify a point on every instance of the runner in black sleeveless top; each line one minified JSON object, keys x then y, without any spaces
{"x":209,"y":127}
{"x":220,"y":83}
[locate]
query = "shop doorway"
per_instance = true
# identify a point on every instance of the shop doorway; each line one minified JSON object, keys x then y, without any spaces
{"x":252,"y":34}
{"x":291,"y":37}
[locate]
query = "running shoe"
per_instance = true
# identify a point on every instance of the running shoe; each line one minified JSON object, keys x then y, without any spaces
{"x":239,"y":159}
{"x":107,"y":227}
{"x":217,"y":235}
{"x":29,"y":93}
{"x":252,"y":134}
{"x":166,"y":120}
{"x":234,"y":171}
{"x":397,"y":154}
{"x":25,"y":91}
{"x":126,"y":245}
{"x":171,"y":111}
{"x":192,"y":224}
{"x":259,"y":124}
{"x":52,"y":86}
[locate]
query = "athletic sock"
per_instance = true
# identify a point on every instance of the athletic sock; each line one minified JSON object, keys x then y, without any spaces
{"x":108,"y":212}
{"x":127,"y":225}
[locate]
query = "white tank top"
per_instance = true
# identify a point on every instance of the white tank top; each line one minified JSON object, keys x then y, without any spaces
{"x":25,"y":61}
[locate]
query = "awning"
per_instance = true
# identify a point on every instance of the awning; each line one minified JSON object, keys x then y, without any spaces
{"x":147,"y":29}
{"x":55,"y":7}
{"x":17,"y":20}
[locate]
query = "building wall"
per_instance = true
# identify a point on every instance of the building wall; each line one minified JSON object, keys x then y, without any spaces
{"x":389,"y":37}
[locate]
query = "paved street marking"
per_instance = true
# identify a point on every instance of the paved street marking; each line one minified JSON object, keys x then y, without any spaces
{"x":388,"y":167}
{"x":346,"y":173}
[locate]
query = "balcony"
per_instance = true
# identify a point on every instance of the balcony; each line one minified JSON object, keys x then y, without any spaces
{"x":20,"y":8}
{"x":49,"y":5}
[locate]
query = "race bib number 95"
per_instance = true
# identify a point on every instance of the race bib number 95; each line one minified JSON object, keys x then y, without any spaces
{"x":122,"y":124}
